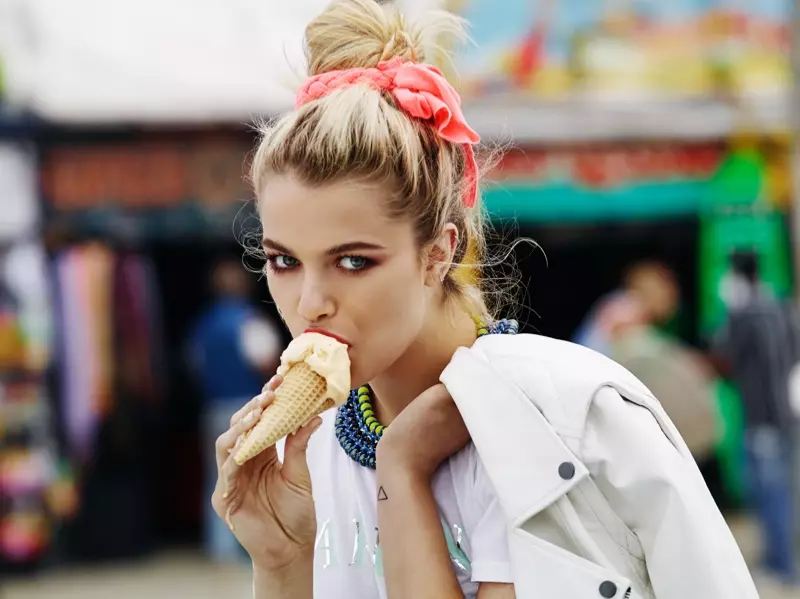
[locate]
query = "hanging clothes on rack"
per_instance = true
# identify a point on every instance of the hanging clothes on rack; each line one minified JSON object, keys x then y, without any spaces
{"x":138,"y":328}
{"x":86,"y":356}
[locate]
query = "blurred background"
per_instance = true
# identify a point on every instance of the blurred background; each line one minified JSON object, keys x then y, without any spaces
{"x":651,"y":151}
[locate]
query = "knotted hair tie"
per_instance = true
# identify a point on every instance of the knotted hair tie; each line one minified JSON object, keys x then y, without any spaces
{"x":421,"y":91}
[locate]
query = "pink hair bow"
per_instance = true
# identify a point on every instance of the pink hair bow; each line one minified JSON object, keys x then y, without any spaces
{"x":421,"y":91}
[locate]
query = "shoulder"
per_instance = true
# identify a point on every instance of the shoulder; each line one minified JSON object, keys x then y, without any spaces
{"x":561,"y":378}
{"x":575,"y":370}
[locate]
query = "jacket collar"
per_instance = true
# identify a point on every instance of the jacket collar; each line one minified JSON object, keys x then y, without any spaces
{"x":528,"y":464}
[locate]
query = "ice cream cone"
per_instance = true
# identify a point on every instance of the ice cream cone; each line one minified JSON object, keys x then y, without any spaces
{"x":316,"y":377}
{"x":300,"y":398}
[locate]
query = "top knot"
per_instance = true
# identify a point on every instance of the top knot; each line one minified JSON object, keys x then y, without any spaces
{"x":400,"y":46}
{"x":363,"y":33}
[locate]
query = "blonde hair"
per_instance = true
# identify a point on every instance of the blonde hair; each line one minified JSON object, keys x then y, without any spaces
{"x":358,"y":133}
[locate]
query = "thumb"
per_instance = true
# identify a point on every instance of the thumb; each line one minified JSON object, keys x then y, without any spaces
{"x":295,"y":464}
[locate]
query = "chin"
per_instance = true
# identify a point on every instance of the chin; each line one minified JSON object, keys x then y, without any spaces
{"x":358,"y":378}
{"x":364,"y":371}
{"x":359,"y":375}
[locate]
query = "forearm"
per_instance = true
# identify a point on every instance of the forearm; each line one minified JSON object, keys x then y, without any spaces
{"x":296,"y":582}
{"x":416,"y":560}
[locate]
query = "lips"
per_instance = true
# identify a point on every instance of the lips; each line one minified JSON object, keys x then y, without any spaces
{"x":338,"y":338}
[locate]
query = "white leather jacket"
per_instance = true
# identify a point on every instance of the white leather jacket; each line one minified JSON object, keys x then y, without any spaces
{"x":601,"y":494}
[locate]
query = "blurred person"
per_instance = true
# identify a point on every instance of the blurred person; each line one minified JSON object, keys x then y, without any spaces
{"x":611,"y":314}
{"x":470,"y":461}
{"x":233,"y":350}
{"x":647,"y":295}
{"x":679,"y":375}
{"x":758,"y":346}
{"x":657,"y":290}
{"x":627,"y":325}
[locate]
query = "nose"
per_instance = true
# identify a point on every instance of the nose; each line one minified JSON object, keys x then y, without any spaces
{"x":315,"y":303}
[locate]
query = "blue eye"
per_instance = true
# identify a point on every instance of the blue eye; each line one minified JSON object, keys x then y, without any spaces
{"x":286,"y":262}
{"x":353,"y":262}
{"x":282,"y":262}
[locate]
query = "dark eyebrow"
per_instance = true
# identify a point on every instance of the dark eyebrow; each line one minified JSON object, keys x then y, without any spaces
{"x":353,"y":246}
{"x":268,"y":244}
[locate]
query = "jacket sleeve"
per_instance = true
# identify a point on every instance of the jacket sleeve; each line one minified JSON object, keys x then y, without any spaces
{"x":661,"y":496}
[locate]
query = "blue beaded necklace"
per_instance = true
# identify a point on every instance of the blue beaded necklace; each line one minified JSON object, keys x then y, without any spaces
{"x":357,"y":428}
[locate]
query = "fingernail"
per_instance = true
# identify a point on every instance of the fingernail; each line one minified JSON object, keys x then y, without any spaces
{"x":250,"y":417}
{"x":225,"y":495}
{"x":315,"y":426}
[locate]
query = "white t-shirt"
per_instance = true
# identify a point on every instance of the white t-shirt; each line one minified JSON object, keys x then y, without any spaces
{"x":347,"y":562}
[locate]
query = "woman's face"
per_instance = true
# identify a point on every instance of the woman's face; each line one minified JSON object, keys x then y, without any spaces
{"x":337,"y":262}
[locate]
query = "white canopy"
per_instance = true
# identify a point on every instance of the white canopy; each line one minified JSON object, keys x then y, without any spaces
{"x":140,"y":61}
{"x":193,"y":61}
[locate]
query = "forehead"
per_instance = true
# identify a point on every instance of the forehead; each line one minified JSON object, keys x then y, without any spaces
{"x":298,"y":215}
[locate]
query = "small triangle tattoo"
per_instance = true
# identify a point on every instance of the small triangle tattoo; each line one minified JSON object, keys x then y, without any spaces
{"x":382,"y":495}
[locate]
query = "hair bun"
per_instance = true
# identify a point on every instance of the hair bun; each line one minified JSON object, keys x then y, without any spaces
{"x":362,"y":33}
{"x":400,"y":45}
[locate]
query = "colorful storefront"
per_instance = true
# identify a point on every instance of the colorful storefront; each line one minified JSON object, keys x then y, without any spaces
{"x":663,"y":123}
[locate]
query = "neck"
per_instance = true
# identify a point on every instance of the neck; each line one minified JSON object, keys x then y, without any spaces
{"x":421,"y":365}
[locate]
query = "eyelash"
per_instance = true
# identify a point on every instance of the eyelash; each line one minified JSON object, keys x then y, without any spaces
{"x":271,"y":265}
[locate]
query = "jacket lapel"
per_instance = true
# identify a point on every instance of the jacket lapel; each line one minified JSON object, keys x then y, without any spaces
{"x":528,"y":464}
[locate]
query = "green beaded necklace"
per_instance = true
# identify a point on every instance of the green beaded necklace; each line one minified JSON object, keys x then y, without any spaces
{"x":357,"y":427}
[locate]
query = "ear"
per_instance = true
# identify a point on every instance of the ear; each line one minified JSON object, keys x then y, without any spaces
{"x":439,"y":255}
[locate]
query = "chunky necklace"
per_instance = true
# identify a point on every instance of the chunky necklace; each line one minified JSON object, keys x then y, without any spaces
{"x":357,"y":428}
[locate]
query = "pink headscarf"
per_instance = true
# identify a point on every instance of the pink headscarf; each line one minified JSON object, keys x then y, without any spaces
{"x":421,"y":91}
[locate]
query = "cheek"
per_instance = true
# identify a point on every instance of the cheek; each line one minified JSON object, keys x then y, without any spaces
{"x":393,"y":292}
{"x":284,"y":290}
{"x":387,"y":311}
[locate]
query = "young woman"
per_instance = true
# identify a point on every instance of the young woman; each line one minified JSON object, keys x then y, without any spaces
{"x":468,"y":461}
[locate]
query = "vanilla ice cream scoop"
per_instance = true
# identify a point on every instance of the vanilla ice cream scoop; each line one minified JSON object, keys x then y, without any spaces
{"x":324,"y":355}
{"x":316,"y":377}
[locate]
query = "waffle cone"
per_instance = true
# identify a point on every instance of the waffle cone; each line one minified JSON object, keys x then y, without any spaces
{"x":299,"y":398}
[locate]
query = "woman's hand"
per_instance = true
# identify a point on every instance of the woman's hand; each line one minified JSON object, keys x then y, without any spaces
{"x":426,"y":433}
{"x":268,"y":505}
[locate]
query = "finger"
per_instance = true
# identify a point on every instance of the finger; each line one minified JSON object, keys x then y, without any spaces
{"x":226,"y":497}
{"x":234,"y":502}
{"x":228,"y":517}
{"x":223,"y":497}
{"x":239,"y":440}
{"x":219,"y":504}
{"x":228,"y":478}
{"x":228,"y":440}
{"x":295,"y":466}
{"x":263,"y":398}
{"x":273,"y":383}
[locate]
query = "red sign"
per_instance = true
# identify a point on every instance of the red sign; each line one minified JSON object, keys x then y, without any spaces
{"x":609,"y":167}
{"x":145,"y":174}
